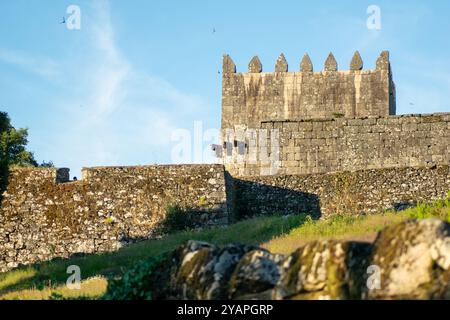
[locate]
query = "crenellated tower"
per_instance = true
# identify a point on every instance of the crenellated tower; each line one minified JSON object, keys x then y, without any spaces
{"x":306,"y":121}
{"x":256,"y":96}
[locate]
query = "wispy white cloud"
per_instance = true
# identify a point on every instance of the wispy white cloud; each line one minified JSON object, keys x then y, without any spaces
{"x":43,"y":67}
{"x":126,"y":116}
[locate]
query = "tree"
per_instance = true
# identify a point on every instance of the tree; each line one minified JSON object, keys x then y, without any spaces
{"x":12,"y":149}
{"x":47,"y":164}
{"x":13,"y":144}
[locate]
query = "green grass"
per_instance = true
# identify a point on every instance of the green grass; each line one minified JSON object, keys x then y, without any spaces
{"x":357,"y":228}
{"x":90,"y":288}
{"x":437,"y":209}
{"x":278,"y":234}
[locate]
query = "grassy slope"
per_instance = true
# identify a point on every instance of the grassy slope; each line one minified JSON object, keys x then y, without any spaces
{"x":362,"y":228}
{"x":278,"y":234}
{"x":53,"y":273}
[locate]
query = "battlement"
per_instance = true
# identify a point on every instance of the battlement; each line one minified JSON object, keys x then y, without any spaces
{"x":256,"y":96}
{"x":306,"y":65}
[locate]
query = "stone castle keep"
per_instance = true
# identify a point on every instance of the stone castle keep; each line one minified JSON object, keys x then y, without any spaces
{"x":318,"y":122}
{"x":317,"y":142}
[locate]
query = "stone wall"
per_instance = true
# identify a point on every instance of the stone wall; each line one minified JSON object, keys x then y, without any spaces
{"x":360,"y":192}
{"x":338,"y":144}
{"x":41,"y":218}
{"x":249,"y":98}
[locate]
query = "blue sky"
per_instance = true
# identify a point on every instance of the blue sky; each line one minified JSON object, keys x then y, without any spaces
{"x":113,"y":92}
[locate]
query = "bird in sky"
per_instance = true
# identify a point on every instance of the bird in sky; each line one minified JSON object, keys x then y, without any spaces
{"x":214,"y":30}
{"x":63,"y":20}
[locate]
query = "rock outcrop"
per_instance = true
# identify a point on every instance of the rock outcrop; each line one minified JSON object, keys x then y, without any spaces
{"x":414,"y":260}
{"x":198,"y":271}
{"x":407,"y":261}
{"x":324,"y":270}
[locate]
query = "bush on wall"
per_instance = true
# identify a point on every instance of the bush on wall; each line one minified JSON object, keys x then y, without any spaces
{"x":177,"y":218}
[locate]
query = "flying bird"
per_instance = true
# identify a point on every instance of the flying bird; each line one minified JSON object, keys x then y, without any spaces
{"x":63,"y":20}
{"x":214,"y":30}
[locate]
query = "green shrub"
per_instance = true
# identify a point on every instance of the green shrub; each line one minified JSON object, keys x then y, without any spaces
{"x":436,"y":209}
{"x":136,"y":283}
{"x":177,"y":219}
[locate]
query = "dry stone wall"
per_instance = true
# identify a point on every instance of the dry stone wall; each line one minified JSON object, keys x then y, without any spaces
{"x":42,"y":218}
{"x":360,"y":192}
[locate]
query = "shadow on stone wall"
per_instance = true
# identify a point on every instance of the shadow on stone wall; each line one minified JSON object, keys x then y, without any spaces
{"x":255,"y":199}
{"x":403,"y":205}
{"x":4,"y":174}
{"x":178,"y":217}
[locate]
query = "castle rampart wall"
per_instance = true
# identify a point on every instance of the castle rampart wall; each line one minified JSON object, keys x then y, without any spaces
{"x":41,"y":218}
{"x":339,"y":144}
{"x":357,"y":192}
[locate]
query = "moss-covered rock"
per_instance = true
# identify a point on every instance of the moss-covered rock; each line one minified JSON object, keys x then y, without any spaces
{"x":256,"y":275}
{"x":199,"y":271}
{"x":414,"y":261}
{"x":412,"y":258}
{"x":323,"y":270}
